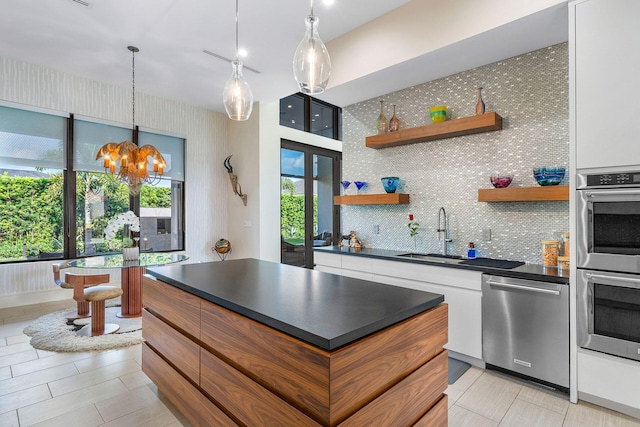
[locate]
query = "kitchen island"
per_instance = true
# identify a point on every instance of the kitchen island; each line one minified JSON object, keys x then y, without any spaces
{"x":249,"y":342}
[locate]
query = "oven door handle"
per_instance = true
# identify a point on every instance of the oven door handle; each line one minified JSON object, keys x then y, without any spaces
{"x":598,"y":193}
{"x":607,"y":277}
{"x":523,"y":288}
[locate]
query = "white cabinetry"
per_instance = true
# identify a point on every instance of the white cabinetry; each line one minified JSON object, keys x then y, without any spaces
{"x":462,"y":290}
{"x":605,"y":36}
{"x":609,"y":381}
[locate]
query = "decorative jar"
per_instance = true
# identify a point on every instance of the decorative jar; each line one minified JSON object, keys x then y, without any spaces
{"x":550,"y":249}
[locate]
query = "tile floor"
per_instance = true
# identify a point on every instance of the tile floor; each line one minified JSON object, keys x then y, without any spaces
{"x":41,"y":388}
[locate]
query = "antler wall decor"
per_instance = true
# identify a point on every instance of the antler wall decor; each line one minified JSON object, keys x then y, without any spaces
{"x":234,"y":181}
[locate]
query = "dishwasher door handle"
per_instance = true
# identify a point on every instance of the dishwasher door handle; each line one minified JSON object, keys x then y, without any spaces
{"x":523,"y":288}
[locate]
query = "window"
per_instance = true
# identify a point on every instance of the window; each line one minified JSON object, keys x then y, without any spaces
{"x":32,"y":160}
{"x":302,"y":112}
{"x":34,"y":177}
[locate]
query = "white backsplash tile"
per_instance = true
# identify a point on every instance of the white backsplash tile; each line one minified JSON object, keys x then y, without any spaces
{"x":530,"y":92}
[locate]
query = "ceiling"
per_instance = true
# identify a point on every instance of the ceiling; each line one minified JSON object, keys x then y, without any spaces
{"x":91,"y":41}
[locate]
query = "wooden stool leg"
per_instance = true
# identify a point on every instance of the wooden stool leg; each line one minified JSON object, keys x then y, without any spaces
{"x":98,"y":326}
{"x":97,"y":318}
{"x":83,"y":309}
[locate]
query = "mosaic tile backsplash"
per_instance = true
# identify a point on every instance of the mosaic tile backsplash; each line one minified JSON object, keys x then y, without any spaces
{"x":530,"y":92}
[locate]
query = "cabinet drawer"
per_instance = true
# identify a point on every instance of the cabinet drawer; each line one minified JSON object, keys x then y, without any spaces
{"x":177,"y":348}
{"x":406,"y":401}
{"x":187,"y":398}
{"x":438,"y":416}
{"x":295,"y":370}
{"x":251,"y":403}
{"x":173,"y":305}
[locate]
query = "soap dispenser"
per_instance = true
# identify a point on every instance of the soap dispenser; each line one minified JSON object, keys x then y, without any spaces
{"x":471,"y":252}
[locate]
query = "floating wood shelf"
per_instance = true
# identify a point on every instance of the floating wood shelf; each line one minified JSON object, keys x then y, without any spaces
{"x":373,"y":199}
{"x":524,"y":194}
{"x":448,"y":129}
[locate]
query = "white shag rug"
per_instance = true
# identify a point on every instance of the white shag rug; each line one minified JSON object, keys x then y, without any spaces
{"x":53,"y":332}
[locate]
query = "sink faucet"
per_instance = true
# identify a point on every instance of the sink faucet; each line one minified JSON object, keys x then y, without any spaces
{"x":442,"y":228}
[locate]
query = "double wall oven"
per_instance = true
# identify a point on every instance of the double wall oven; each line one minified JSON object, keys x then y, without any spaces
{"x":608,"y":262}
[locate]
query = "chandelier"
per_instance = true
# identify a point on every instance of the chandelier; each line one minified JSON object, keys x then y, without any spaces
{"x":130,"y":162}
{"x":311,"y":62}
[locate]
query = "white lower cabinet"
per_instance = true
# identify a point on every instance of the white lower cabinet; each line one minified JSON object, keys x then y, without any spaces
{"x":609,"y":381}
{"x":462,"y":290}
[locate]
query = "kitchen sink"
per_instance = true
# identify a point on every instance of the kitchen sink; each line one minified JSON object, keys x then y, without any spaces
{"x":444,"y":259}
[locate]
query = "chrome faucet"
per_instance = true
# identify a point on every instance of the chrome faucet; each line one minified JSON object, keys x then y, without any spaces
{"x":442,"y":228}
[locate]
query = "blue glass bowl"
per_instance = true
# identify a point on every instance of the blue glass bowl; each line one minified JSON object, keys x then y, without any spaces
{"x":390,"y":183}
{"x":549,"y":176}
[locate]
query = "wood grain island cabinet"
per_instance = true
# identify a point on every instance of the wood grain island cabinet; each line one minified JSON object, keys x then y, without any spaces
{"x":254,"y":343}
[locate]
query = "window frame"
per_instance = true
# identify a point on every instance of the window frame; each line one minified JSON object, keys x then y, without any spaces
{"x":307,"y":103}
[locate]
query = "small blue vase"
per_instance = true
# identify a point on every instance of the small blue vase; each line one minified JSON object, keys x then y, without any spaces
{"x":390,"y":183}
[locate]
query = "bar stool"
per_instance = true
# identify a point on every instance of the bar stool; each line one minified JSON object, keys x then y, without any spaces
{"x":78,"y":283}
{"x":97,"y":295}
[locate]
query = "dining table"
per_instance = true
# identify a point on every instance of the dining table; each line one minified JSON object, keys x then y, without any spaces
{"x":131,"y":274}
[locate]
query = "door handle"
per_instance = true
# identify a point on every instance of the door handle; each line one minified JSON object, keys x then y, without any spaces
{"x":523,"y":288}
{"x":612,"y":193}
{"x":607,"y":277}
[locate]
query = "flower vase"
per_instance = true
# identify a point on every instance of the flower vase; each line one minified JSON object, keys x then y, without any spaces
{"x":382,"y":126}
{"x":480,"y":104}
{"x":130,"y":254}
{"x":394,"y":123}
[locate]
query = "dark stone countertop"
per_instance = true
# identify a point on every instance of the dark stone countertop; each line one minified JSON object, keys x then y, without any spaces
{"x":322,"y":309}
{"x":526,"y":271}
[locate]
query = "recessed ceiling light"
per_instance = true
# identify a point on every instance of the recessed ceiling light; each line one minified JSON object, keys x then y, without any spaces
{"x":328,"y":2}
{"x":242,"y":52}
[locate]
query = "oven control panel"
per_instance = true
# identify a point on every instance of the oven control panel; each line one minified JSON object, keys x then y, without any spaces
{"x":617,"y":179}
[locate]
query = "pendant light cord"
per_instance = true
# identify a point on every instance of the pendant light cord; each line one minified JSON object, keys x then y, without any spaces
{"x":133,"y":88}
{"x":237,"y":54}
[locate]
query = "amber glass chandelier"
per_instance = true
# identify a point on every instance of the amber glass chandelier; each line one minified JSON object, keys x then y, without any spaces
{"x":125,"y":158}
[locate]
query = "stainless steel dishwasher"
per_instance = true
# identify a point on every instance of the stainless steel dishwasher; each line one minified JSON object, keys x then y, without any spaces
{"x":525,"y":328}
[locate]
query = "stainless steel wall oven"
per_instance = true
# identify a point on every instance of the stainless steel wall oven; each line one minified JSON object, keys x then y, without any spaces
{"x":608,"y":262}
{"x":608,"y":221}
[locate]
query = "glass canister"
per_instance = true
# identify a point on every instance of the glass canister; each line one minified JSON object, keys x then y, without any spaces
{"x":550,"y":249}
{"x":563,"y":263}
{"x":566,"y":244}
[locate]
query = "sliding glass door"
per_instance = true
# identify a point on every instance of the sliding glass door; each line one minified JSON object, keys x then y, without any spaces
{"x":309,"y":178}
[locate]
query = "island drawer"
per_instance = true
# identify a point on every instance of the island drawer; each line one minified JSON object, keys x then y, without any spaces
{"x":199,"y":410}
{"x":251,"y":403}
{"x":175,"y":306}
{"x":438,"y":415}
{"x":295,"y":370}
{"x":421,"y":388}
{"x":175,"y":347}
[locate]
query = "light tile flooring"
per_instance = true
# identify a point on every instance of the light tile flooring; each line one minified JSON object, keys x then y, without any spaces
{"x":41,"y":388}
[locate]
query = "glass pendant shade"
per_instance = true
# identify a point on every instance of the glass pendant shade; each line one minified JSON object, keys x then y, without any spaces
{"x":237,"y":95}
{"x":311,"y":63}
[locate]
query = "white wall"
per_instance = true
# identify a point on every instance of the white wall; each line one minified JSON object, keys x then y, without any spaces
{"x":205,"y":131}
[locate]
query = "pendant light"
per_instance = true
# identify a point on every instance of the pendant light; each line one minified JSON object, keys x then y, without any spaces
{"x":237,"y":96}
{"x":127,"y":160}
{"x":311,"y":63}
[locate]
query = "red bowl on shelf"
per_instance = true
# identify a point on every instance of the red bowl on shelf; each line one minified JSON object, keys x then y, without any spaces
{"x":501,"y":181}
